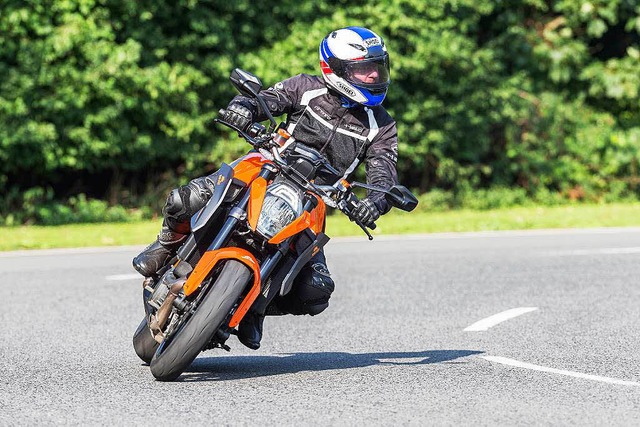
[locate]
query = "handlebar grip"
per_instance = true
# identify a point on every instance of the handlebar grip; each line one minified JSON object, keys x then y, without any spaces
{"x":353,"y":200}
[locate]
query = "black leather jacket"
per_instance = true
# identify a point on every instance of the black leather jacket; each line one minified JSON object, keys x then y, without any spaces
{"x":346,"y":136}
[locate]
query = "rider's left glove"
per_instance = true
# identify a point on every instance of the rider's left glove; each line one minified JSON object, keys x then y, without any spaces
{"x":240,"y":116}
{"x":366,"y":212}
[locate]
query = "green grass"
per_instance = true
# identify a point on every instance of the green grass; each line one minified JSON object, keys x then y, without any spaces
{"x":78,"y":235}
{"x":578,"y":216}
{"x":113,"y":234}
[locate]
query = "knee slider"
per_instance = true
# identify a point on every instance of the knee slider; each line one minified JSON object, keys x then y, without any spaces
{"x":176,"y":214}
{"x":200,"y":191}
{"x":185,"y":201}
{"x":173,"y":205}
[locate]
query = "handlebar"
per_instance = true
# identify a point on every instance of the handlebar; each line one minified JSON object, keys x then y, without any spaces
{"x":263,"y":143}
{"x":257,"y":142}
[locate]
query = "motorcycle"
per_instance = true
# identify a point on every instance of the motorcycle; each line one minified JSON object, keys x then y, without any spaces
{"x":263,"y":223}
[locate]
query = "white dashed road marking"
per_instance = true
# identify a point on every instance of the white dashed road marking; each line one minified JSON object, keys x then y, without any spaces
{"x":131,"y":276}
{"x":601,"y":251}
{"x":485,"y":324}
{"x":518,"y":364}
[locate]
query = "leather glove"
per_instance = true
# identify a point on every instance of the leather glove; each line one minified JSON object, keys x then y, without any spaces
{"x":239,"y":116}
{"x":366,"y":212}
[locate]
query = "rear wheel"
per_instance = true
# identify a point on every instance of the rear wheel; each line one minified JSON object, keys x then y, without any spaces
{"x":177,"y":352}
{"x":143,"y":343}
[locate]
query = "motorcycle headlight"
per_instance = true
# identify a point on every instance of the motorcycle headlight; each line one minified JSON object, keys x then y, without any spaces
{"x":282,"y":204}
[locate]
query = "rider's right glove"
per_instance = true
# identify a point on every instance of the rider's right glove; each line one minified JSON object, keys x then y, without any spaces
{"x":239,"y":115}
{"x":366,"y":212}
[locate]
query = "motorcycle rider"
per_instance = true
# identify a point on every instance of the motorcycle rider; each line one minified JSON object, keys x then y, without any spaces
{"x":338,"y":114}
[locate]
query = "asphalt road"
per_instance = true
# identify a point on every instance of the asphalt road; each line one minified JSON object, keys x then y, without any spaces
{"x":391,"y":348}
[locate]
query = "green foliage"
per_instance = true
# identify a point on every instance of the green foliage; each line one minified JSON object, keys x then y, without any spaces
{"x":501,"y":101}
{"x":82,"y":210}
{"x":38,"y":207}
{"x":489,"y":198}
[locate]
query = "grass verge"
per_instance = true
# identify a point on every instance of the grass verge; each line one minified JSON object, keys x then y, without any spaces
{"x":139,"y":233}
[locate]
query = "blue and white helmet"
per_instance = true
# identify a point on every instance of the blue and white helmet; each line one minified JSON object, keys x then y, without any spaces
{"x":355,"y":62}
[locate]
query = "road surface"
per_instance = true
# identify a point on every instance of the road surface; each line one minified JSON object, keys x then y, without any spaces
{"x":533,"y":327}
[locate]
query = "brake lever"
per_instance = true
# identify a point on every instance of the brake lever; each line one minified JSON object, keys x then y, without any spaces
{"x":343,"y":207}
{"x":232,"y":126}
{"x":364,"y":228}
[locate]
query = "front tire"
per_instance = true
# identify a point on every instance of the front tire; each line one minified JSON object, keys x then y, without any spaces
{"x":175,"y":354}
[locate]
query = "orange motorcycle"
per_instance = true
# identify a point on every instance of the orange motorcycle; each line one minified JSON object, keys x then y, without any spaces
{"x":263,"y":223}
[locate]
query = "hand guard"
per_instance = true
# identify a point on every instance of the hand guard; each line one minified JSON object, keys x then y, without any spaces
{"x":239,"y":116}
{"x":366,"y":212}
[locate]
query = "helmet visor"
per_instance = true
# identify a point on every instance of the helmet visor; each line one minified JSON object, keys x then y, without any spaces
{"x":374,"y":71}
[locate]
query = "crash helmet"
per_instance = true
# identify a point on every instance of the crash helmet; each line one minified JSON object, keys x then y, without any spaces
{"x":355,"y":63}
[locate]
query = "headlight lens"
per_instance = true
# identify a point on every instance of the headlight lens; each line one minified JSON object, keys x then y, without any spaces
{"x":282,"y":204}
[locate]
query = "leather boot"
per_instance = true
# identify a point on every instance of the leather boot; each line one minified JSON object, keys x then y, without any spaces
{"x":250,"y":330}
{"x":156,"y":255}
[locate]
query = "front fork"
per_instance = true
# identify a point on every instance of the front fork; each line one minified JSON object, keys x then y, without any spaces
{"x":238,"y":213}
{"x":188,"y":251}
{"x":188,"y":257}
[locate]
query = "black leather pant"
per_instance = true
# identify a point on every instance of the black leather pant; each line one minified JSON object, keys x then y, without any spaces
{"x":311,"y":289}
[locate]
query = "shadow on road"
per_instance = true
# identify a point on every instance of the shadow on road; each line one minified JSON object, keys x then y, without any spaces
{"x":239,"y":367}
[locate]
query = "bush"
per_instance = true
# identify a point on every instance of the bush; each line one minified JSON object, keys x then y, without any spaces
{"x":494,"y":198}
{"x":110,"y":98}
{"x":78,"y":209}
{"x":504,"y":197}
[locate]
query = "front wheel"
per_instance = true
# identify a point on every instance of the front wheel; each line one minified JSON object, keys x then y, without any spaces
{"x":177,"y":352}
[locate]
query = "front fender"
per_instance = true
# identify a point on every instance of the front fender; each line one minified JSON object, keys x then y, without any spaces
{"x":210,"y":259}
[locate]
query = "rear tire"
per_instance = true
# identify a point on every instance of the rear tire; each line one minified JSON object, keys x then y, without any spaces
{"x":143,"y":343}
{"x":175,"y":355}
